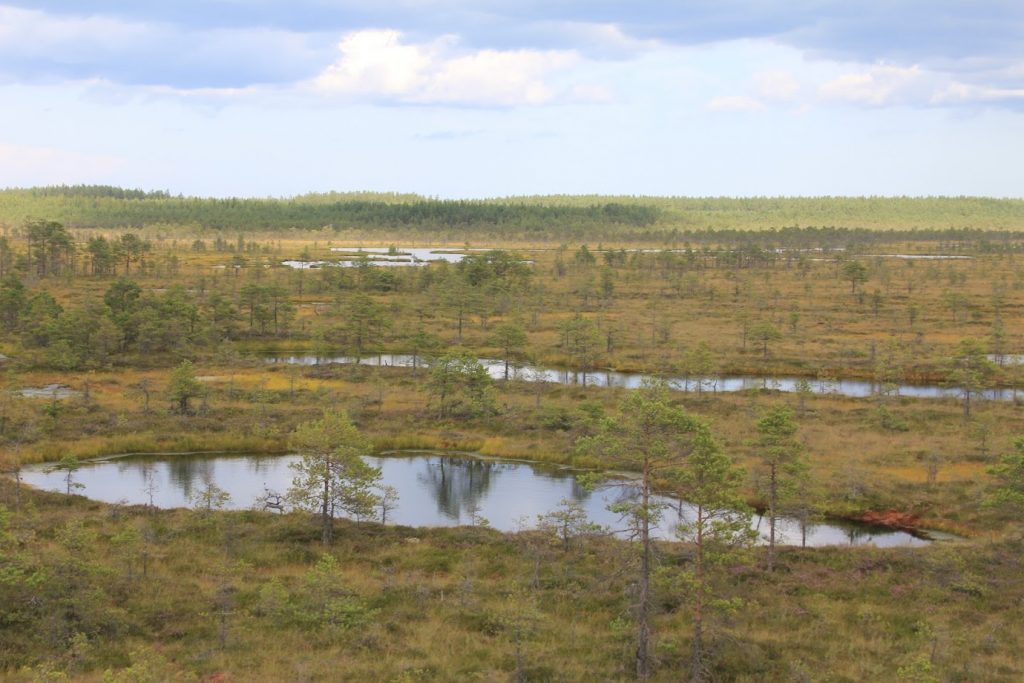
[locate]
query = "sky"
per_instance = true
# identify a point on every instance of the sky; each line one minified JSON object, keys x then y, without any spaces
{"x":484,"y":98}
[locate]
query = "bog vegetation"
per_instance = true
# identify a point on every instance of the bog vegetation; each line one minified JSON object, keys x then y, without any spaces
{"x":140,"y":322}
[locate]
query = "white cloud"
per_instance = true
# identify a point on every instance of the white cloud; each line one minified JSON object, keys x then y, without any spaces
{"x":735,"y":103}
{"x":776,"y":84}
{"x":598,"y":39}
{"x":377,"y":64}
{"x":886,"y":85}
{"x":965,"y":93}
{"x":880,"y":85}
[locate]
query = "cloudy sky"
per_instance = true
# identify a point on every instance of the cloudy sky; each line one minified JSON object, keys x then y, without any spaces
{"x":470,"y":98}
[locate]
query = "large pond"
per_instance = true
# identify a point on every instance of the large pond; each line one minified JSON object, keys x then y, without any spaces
{"x":434,"y":489}
{"x":632,"y":380}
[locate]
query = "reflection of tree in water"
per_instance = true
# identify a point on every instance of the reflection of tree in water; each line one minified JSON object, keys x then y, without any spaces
{"x":146,"y":469}
{"x":665,"y":513}
{"x":262,"y":465}
{"x":855,"y":535}
{"x":184,"y":473}
{"x":459,"y":484}
{"x":578,"y":492}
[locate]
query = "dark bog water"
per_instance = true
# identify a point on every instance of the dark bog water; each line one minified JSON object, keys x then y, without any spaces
{"x":632,"y":380}
{"x":434,"y":488}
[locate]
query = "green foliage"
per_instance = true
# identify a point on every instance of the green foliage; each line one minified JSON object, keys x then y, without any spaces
{"x":783,"y":465}
{"x":890,"y":421}
{"x":567,"y":523}
{"x":1009,"y":475}
{"x":650,"y":427}
{"x":494,"y":269}
{"x":582,"y":341}
{"x":13,"y":302}
{"x":556,"y":417}
{"x":654,"y":437}
{"x":69,"y":465}
{"x":50,"y":247}
{"x":764,"y":332}
{"x":970,"y":371}
{"x":147,"y":666}
{"x":855,"y":273}
{"x":461,"y":386}
{"x":82,"y":338}
{"x":325,"y":602}
{"x":209,"y":497}
{"x":585,"y":216}
{"x":115,"y":208}
{"x":39,"y":317}
{"x":920,"y":670}
{"x":719,"y":529}
{"x":183,"y":386}
{"x":321,"y":602}
{"x":699,"y":363}
{"x":122,"y":296}
{"x":391,"y":602}
{"x":332,"y":478}
{"x":713,"y":485}
{"x":510,"y":337}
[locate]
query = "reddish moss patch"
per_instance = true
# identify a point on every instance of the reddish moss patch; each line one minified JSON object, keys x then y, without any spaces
{"x":891,"y":518}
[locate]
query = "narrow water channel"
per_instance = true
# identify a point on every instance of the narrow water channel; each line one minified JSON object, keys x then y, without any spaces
{"x":632,"y":380}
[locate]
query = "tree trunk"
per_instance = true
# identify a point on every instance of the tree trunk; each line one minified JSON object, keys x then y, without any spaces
{"x":643,"y":657}
{"x":697,"y":663}
{"x":773,"y":491}
{"x":325,"y":531}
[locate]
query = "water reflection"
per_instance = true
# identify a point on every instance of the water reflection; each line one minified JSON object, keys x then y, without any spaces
{"x":632,"y":380}
{"x":459,"y":484}
{"x":435,"y":489}
{"x":402,"y":255}
{"x":381,"y":256}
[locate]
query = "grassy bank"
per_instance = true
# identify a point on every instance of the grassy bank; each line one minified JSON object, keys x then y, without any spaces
{"x":913,"y":456}
{"x":180,"y":595}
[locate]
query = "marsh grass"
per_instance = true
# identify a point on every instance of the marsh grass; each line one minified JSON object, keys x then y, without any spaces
{"x":445,"y":604}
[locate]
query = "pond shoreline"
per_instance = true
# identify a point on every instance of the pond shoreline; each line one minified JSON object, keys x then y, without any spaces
{"x":891,"y":520}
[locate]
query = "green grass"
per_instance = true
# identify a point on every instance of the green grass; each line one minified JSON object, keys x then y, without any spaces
{"x":177,"y":595}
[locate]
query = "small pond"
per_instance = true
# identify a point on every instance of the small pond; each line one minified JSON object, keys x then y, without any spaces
{"x":434,"y":488}
{"x":53,"y":391}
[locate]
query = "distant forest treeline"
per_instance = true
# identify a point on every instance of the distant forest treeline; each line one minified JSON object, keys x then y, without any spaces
{"x":560,"y":216}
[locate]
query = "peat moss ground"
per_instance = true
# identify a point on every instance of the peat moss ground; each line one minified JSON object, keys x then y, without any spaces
{"x":94,"y":592}
{"x":908,"y":315}
{"x":86,"y":588}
